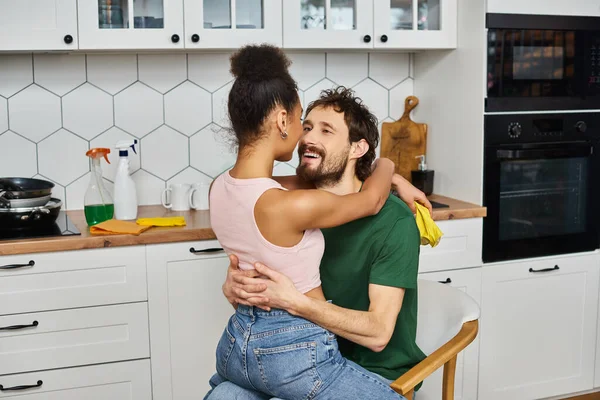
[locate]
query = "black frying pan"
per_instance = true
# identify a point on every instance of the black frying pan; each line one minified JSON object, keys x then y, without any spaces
{"x":30,"y":217}
{"x":24,"y":188}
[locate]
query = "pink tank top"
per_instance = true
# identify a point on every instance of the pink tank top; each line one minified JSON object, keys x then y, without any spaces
{"x":232,"y":204}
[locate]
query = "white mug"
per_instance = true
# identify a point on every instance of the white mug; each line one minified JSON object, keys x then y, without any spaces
{"x":199,"y":196}
{"x":178,"y":196}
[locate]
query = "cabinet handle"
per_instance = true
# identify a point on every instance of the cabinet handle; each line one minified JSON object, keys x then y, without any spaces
{"x":367,"y":38}
{"x":175,"y":38}
{"x":448,"y":280}
{"x":384,"y":38}
{"x":15,"y":327}
{"x":211,"y":250}
{"x":195,"y":38}
{"x":544,"y":269}
{"x":22,"y":387}
{"x":68,"y":39}
{"x":13,"y":266}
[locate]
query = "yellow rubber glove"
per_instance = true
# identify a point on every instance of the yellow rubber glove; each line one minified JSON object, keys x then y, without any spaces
{"x":161,"y":221}
{"x":430,"y":233}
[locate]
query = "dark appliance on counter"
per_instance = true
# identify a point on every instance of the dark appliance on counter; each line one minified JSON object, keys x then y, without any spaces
{"x":542,"y":62}
{"x":541,"y":185}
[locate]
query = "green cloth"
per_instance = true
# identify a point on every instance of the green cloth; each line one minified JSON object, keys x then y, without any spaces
{"x":383,"y":250}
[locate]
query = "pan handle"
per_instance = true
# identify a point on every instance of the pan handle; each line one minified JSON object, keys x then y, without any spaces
{"x":4,"y":202}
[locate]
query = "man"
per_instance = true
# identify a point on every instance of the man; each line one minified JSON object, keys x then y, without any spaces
{"x":369,"y":268}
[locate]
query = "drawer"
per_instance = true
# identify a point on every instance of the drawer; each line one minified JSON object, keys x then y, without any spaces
{"x":117,"y":381}
{"x":460,"y":246}
{"x":82,"y":278}
{"x":66,"y":338}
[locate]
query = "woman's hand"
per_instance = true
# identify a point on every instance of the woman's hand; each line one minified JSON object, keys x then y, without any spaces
{"x":409,"y":194}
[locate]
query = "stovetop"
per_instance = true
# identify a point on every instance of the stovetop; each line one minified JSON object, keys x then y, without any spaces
{"x":62,"y":227}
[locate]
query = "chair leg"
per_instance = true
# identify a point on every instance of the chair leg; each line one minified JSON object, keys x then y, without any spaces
{"x":448,"y":380}
{"x":409,"y":395}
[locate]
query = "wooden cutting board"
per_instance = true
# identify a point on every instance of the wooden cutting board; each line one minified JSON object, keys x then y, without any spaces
{"x":403,"y":140}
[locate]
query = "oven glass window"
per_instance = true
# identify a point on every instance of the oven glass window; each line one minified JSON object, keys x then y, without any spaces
{"x":542,"y":198}
{"x":531,"y":63}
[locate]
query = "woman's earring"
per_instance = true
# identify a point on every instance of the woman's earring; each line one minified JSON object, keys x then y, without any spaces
{"x":284,"y":135}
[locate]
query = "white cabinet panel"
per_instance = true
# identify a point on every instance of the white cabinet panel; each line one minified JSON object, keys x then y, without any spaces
{"x":545,"y":7}
{"x":38,"y":25}
{"x":538,"y":331}
{"x":52,"y":281}
{"x":188,"y":313}
{"x":118,"y":381}
{"x":81,"y":336}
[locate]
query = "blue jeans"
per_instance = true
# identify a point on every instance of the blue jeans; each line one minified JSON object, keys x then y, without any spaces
{"x":276,"y":355}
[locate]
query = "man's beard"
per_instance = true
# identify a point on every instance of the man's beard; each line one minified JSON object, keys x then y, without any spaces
{"x":330,"y":170}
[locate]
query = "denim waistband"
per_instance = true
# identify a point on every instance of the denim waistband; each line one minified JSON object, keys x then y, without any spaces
{"x":255,"y":311}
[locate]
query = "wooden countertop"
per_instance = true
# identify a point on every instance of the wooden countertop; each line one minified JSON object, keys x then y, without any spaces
{"x":197,"y":228}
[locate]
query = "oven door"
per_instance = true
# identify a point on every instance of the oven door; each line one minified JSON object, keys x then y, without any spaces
{"x":540,"y":201}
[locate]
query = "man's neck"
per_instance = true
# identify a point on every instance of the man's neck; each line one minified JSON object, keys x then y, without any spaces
{"x":347,"y":185}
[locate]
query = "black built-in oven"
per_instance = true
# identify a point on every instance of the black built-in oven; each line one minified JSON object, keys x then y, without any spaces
{"x":542,"y":62}
{"x":541,"y":185}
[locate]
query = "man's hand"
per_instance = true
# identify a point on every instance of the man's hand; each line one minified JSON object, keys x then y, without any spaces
{"x":249,"y":294}
{"x":409,"y":194}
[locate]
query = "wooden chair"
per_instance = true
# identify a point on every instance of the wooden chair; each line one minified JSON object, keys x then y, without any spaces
{"x":447,"y":321}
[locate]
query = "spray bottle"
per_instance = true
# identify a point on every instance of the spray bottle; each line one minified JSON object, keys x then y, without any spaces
{"x":125,"y":192}
{"x":98,"y":203}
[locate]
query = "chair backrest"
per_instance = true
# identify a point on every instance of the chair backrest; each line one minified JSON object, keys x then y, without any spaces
{"x":442,"y":310}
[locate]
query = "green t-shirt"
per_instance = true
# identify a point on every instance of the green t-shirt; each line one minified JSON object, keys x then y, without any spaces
{"x":383,"y":250}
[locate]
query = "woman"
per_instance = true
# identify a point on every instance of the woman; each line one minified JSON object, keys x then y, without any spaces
{"x":254,"y":217}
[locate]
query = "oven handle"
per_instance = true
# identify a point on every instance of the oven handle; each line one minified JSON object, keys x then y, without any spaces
{"x":534,"y":154}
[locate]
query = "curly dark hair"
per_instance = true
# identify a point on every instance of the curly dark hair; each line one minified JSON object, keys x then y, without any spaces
{"x":262,"y":82}
{"x":361,"y":123}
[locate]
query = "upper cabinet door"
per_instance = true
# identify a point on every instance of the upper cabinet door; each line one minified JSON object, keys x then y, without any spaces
{"x":38,"y":25}
{"x":322,"y":24}
{"x":130,"y":24}
{"x":415,"y":24}
{"x":222,"y":24}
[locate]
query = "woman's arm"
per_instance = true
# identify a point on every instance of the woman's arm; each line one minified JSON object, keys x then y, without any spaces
{"x":293,"y":182}
{"x":310,"y":209}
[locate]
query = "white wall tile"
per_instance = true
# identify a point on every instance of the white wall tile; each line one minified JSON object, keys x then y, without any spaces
{"x":149,"y":187}
{"x":149,"y":108}
{"x":111,"y":72}
{"x":388,"y":69}
{"x":3,"y":114}
{"x":283,"y":169}
{"x":211,"y":150}
{"x":210,"y":71}
{"x":165,"y":152}
{"x":18,"y":156}
{"x":34,"y":113}
{"x":152,"y":68}
{"x":16,"y":73}
{"x":188,"y":108}
{"x":109,"y":139}
{"x":87,"y":111}
{"x":307,"y":68}
{"x":62,"y":157}
{"x":347,"y":68}
{"x":138,"y":110}
{"x":59,"y":73}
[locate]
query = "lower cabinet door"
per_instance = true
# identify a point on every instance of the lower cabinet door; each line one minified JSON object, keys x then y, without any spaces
{"x":117,"y":381}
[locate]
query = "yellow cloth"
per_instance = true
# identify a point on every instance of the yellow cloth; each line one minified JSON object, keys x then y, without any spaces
{"x":430,"y":233}
{"x":163,"y":221}
{"x":116,"y":227}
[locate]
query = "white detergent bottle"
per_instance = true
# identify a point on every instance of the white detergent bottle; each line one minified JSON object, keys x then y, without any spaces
{"x":126,"y":203}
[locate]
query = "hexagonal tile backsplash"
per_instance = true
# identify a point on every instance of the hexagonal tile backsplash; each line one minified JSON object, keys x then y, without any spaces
{"x":54,"y":107}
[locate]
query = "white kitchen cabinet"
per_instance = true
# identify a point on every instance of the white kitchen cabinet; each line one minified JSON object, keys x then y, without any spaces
{"x":38,"y":25}
{"x":116,"y":381}
{"x":460,"y":246}
{"x":467,"y":366}
{"x":83,"y":278}
{"x":544,"y":7}
{"x":336,"y":24}
{"x":214,"y":24}
{"x":538,"y":330}
{"x":415,"y":24}
{"x":130,"y":24}
{"x":188,"y":313}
